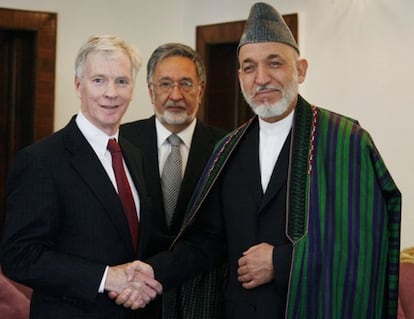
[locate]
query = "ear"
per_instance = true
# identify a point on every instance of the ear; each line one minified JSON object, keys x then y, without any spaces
{"x":76,"y":83}
{"x":201,"y":92}
{"x":150,"y":93}
{"x":302,"y":66}
{"x":239,"y":74}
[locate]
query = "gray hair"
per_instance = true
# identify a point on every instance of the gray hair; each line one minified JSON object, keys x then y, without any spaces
{"x":176,"y":49}
{"x":111,"y":45}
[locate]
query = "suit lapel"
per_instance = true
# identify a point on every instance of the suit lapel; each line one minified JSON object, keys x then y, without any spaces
{"x":200,"y":151}
{"x":86,"y":163}
{"x":134,"y":162}
{"x":152,"y":173}
{"x":148,"y":141}
{"x":249,"y":160}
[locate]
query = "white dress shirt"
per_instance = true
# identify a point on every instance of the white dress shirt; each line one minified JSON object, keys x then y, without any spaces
{"x":271,"y":139}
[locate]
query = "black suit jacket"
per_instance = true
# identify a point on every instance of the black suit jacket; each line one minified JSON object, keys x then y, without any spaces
{"x":65,"y":223}
{"x":235,"y":216}
{"x":143,"y":134}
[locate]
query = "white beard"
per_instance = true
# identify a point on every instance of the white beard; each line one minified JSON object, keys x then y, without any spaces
{"x":268,"y":110}
{"x":175,"y":119}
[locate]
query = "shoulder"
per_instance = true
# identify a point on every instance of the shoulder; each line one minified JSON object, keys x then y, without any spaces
{"x":137,"y":126}
{"x":333,"y":116}
{"x":342,"y":126}
{"x":141,"y":133}
{"x":214,"y":132}
{"x":39,"y":158}
{"x":49,"y":144}
{"x":56,"y":147}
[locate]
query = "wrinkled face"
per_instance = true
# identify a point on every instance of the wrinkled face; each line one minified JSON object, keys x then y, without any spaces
{"x":175,"y":92}
{"x":106,"y":89}
{"x":269,"y":75}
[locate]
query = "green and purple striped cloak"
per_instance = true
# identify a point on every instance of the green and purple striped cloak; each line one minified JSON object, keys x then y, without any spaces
{"x":343,"y":218}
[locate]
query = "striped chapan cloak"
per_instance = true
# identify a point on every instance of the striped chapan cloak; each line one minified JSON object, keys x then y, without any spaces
{"x":343,"y":217}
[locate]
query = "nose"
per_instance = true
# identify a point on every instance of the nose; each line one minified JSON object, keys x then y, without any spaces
{"x":262,"y":75}
{"x":110,"y":90}
{"x":175,"y":93}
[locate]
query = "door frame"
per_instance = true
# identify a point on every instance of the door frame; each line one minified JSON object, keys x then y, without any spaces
{"x":44,"y":27}
{"x":44,"y":24}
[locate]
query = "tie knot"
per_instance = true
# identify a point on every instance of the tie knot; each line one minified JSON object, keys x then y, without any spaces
{"x":113,"y":146}
{"x":174,"y":140}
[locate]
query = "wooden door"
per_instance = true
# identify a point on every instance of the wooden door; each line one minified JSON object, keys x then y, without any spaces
{"x":27,"y":82}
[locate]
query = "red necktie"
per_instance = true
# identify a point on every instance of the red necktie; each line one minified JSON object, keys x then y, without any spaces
{"x":124,"y":190}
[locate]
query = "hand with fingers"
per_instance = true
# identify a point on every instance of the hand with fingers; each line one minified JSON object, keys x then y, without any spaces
{"x":256,"y":266}
{"x":132,"y":284}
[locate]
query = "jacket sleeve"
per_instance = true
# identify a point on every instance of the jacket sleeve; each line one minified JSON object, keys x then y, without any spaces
{"x":201,"y":246}
{"x":32,"y":226}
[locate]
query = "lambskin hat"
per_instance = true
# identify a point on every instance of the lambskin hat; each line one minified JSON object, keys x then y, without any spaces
{"x":265,"y":24}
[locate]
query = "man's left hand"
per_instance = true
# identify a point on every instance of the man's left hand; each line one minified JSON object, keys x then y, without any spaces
{"x":256,"y":266}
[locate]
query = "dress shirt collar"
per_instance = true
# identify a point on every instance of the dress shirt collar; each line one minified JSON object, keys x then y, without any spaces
{"x":96,"y":138}
{"x":279,"y":128}
{"x":186,"y":135}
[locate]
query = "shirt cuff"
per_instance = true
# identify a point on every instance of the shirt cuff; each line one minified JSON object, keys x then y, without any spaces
{"x":102,"y":285}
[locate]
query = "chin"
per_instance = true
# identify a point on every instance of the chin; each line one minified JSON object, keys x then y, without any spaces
{"x":270,"y":111}
{"x":177,"y":118}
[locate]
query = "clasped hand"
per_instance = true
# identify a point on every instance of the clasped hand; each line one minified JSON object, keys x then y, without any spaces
{"x":256,"y":266}
{"x":132,"y":284}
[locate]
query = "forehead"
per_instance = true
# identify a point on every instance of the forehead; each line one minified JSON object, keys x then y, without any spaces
{"x":99,"y":60}
{"x":176,"y":66}
{"x":252,"y":52}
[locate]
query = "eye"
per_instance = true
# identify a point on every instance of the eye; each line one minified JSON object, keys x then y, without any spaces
{"x":98,"y":80}
{"x":248,"y":68}
{"x":165,"y":85}
{"x":274,"y":64}
{"x":186,"y":84}
{"x":122,"y":81}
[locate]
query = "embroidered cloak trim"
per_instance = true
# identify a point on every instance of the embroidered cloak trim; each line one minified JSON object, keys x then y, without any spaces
{"x":343,"y":217}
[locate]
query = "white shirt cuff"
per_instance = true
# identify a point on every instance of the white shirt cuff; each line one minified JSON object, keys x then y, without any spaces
{"x":102,"y":285}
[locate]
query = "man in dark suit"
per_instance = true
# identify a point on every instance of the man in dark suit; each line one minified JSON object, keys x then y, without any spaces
{"x":176,"y":80}
{"x":66,"y":233}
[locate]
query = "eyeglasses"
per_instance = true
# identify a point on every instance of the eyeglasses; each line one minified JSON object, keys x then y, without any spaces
{"x":166,"y":86}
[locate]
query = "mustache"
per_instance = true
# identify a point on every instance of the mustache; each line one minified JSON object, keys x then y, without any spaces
{"x":175,"y":104}
{"x":266,"y":87}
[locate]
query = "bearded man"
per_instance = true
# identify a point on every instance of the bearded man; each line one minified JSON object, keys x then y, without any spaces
{"x":176,"y":79}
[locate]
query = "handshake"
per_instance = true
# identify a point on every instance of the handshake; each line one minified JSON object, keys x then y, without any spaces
{"x":132,"y":284}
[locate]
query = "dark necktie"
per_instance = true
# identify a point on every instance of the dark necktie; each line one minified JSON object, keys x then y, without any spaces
{"x":171,"y":177}
{"x":124,"y":190}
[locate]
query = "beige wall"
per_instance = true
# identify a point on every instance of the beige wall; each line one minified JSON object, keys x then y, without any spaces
{"x":360,"y":55}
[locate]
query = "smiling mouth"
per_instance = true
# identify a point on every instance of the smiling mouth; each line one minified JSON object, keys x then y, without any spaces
{"x":110,"y":107}
{"x":266,"y":91}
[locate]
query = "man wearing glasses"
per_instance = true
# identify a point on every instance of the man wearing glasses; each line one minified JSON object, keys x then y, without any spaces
{"x":176,"y":79}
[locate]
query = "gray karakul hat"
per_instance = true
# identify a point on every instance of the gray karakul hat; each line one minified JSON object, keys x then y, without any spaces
{"x":265,"y":24}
